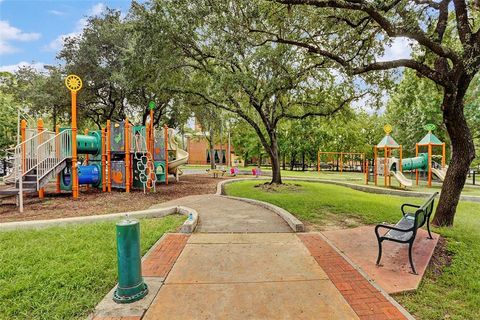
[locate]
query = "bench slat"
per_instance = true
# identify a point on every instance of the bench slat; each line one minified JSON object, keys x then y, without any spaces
{"x":405,"y":223}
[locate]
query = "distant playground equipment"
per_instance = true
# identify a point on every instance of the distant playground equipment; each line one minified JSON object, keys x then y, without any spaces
{"x":119,"y":156}
{"x":340,"y":161}
{"x":389,"y":166}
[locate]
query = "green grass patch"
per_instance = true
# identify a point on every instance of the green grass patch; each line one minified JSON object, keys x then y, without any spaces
{"x":63,"y":272}
{"x":455,"y":294}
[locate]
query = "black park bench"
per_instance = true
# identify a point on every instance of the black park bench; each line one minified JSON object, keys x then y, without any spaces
{"x":405,"y":230}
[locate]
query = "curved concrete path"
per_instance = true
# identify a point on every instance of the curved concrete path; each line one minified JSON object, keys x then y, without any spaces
{"x":244,"y":262}
{"x":219,"y":214}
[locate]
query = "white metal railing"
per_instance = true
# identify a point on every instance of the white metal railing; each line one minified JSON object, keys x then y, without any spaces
{"x":25,"y":153}
{"x":52,"y":152}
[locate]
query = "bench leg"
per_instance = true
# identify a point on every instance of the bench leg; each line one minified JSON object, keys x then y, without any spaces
{"x":410,"y":247}
{"x":428,"y":228}
{"x":379,"y":252}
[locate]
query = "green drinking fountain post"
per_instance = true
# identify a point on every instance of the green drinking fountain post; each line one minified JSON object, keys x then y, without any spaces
{"x":130,"y":282}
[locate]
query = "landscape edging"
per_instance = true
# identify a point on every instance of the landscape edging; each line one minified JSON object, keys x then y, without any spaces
{"x":187,"y":227}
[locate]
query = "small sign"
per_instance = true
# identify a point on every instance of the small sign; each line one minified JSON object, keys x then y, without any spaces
{"x":151,"y":105}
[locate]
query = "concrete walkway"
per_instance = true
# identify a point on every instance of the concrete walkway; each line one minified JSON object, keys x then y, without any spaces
{"x":219,"y":214}
{"x":248,"y":276}
{"x":244,"y":262}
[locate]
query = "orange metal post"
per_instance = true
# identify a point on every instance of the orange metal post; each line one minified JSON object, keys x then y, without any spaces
{"x":401,"y":157}
{"x":109,"y":157}
{"x":86,"y":157}
{"x":152,"y":132}
{"x":444,"y":159}
{"x":57,"y":150}
{"x":429,"y":165}
{"x":165,"y":130}
{"x":127,"y":156}
{"x":341,"y":162}
{"x":74,"y":145}
{"x":318,"y":161}
{"x":366,"y":171}
{"x":416,"y":170}
{"x":41,"y":192}
{"x":104,"y":160}
{"x":385,"y":154}
{"x":375,"y":164}
{"x":23,"y":134}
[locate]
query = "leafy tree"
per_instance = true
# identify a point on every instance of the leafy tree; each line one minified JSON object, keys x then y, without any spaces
{"x":8,"y":114}
{"x":353,"y":33}
{"x":263,"y":85}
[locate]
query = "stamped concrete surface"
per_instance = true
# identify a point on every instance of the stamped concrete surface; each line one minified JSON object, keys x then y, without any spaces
{"x":394,"y":275}
{"x":222,"y":215}
{"x":248,"y":276}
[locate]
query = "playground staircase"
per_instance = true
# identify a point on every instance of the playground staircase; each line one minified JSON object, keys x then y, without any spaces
{"x":36,"y":161}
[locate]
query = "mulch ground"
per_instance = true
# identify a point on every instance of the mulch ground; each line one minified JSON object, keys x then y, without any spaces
{"x":94,"y":202}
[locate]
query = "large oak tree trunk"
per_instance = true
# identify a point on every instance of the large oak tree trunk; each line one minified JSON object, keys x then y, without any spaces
{"x":274,"y":154}
{"x":462,"y":156}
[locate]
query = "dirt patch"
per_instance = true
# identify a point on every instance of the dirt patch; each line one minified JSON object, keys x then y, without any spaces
{"x":94,"y":202}
{"x":441,"y":258}
{"x":277,"y":188}
{"x":332,"y":221}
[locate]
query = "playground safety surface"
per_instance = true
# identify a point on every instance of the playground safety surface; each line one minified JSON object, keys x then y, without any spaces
{"x":94,"y":202}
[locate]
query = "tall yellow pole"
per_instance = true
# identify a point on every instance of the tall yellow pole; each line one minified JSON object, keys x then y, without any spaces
{"x":41,"y":192}
{"x":74,"y":146}
{"x":74,"y":83}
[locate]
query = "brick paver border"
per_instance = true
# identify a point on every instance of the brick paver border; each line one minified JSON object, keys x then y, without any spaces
{"x":366,"y":300}
{"x":161,"y":258}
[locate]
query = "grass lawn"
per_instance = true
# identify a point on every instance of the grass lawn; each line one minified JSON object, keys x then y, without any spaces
{"x":455,"y":294}
{"x":62,"y":273}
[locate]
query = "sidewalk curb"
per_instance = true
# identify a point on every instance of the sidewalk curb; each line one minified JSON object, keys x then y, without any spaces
{"x":187,"y":227}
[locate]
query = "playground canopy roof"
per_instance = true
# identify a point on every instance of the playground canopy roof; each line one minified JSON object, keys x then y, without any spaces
{"x":430,"y":138}
{"x":388,"y":142}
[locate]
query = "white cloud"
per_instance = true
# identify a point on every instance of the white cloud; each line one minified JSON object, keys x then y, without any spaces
{"x":39,"y":66}
{"x":57,"y":43}
{"x":399,"y":49}
{"x":9,"y":33}
{"x":56,"y":12}
{"x":97,"y":9}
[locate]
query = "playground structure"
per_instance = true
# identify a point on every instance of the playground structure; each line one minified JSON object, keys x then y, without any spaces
{"x":342,"y":161}
{"x":119,"y":156}
{"x":389,"y":166}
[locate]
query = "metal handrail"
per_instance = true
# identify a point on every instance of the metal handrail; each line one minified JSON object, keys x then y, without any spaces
{"x":52,"y":152}
{"x":25,"y":154}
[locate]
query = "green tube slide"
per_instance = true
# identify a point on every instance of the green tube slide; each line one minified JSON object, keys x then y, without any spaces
{"x":420,"y":163}
{"x":89,"y":144}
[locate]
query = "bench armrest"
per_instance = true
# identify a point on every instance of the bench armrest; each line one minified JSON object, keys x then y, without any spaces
{"x":408,"y":205}
{"x":386,"y":226}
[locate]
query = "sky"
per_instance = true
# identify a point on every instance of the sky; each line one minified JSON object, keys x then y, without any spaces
{"x":32,"y":31}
